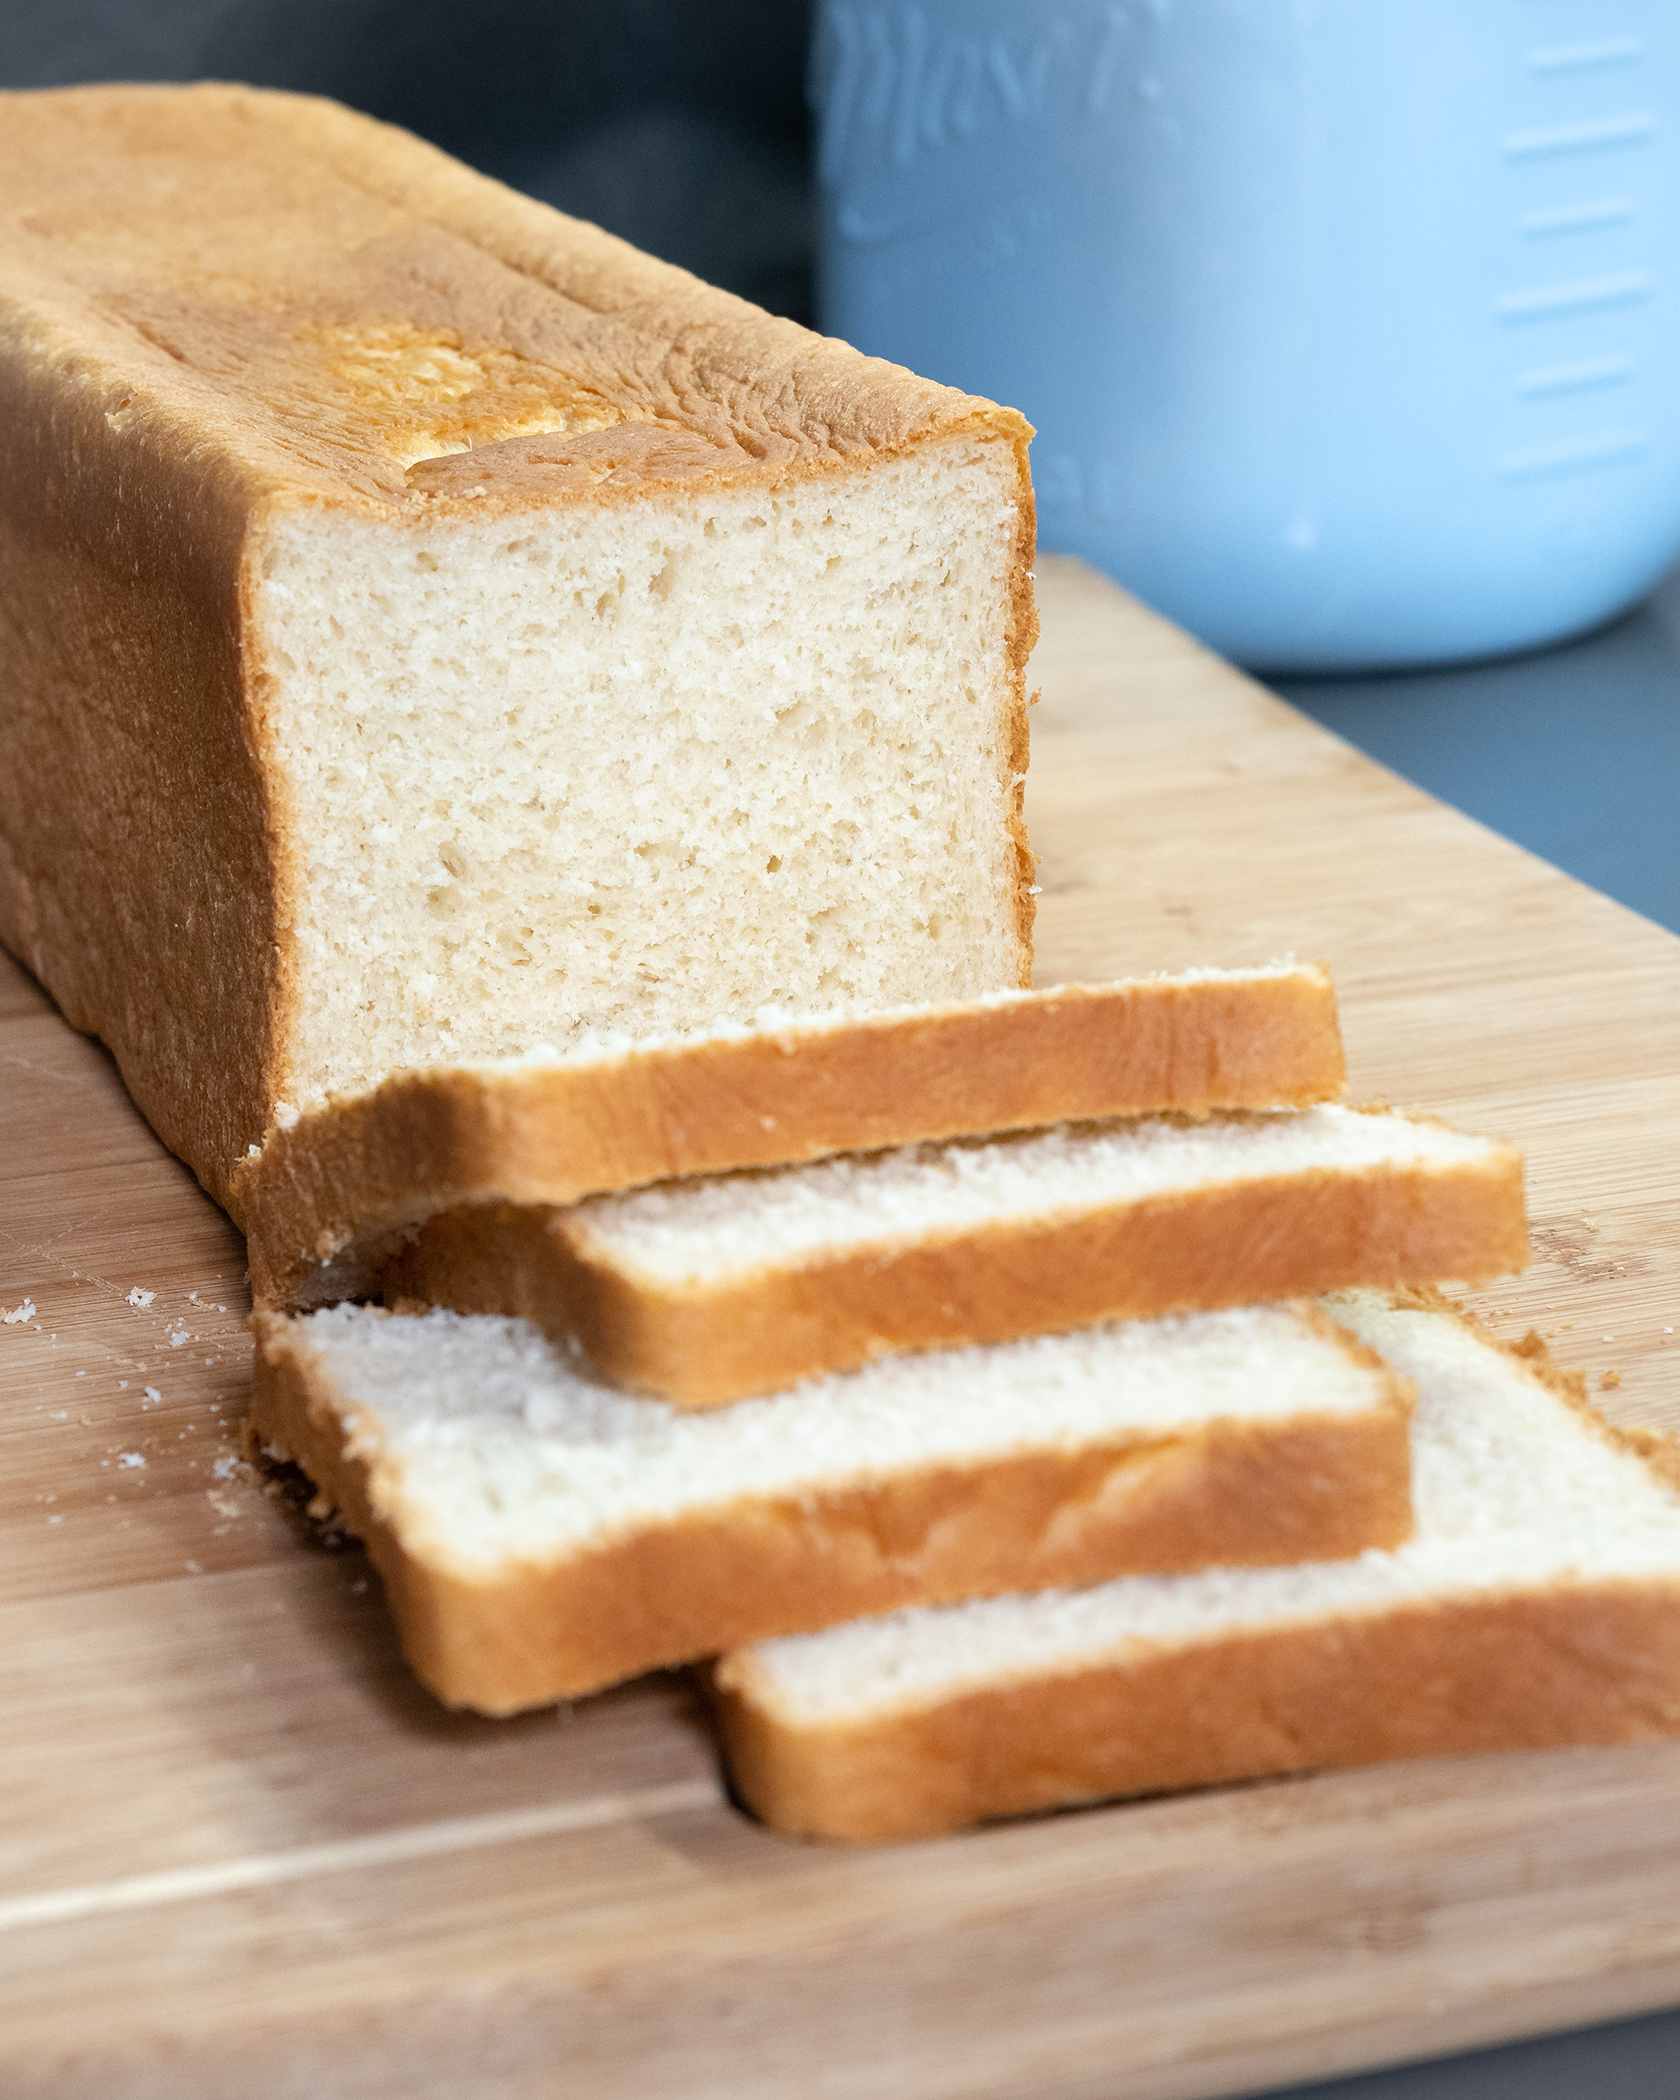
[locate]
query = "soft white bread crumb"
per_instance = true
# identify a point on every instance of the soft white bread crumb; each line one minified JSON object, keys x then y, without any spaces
{"x":708,"y":1229}
{"x":585,"y":772}
{"x":501,"y":1448}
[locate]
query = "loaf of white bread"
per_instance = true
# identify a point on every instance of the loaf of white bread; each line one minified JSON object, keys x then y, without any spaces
{"x":708,"y":1289}
{"x":540,"y":1534}
{"x":330,"y":1196}
{"x":493,"y":722}
{"x":1538,"y":1603}
{"x":430,"y":629}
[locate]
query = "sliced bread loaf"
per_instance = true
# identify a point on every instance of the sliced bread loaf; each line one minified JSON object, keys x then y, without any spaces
{"x":541,"y":1535}
{"x":1537,"y":1603}
{"x":429,"y":628}
{"x":329,"y":1196}
{"x":707,"y":1289}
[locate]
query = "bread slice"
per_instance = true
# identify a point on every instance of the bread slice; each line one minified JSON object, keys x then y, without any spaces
{"x":1538,"y":1603}
{"x":431,"y":629}
{"x":328,"y":1198}
{"x":704,"y":1290}
{"x":541,"y":1535}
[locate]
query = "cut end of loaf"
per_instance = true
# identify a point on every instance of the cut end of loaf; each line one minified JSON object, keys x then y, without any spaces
{"x":637,"y":767}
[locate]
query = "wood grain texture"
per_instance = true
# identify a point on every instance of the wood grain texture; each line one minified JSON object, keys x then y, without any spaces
{"x":240,"y":1850}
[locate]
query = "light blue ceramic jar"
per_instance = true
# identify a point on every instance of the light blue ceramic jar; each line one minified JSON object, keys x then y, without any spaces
{"x":1351,"y":328}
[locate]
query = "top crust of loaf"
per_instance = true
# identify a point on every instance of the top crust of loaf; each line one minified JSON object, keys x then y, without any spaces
{"x":345,"y":310}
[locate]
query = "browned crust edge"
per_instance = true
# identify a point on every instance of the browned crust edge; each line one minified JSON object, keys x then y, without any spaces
{"x":325,"y":1200}
{"x":1586,"y":1663}
{"x":1232,"y":1491}
{"x":1194,"y":1251}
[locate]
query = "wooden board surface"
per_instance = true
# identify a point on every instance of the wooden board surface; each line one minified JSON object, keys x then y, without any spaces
{"x":241,"y":1852}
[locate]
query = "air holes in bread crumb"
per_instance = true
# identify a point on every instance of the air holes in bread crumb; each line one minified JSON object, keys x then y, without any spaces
{"x":504,"y":717}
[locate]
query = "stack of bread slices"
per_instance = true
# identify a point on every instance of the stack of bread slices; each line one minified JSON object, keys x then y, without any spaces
{"x":997,"y":1450}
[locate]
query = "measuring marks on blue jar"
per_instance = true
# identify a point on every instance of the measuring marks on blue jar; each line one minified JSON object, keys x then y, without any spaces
{"x":1576,"y":174}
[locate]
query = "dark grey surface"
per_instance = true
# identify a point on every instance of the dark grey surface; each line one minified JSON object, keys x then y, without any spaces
{"x":683,"y":127}
{"x":1574,"y":752}
{"x":1634,"y":2060}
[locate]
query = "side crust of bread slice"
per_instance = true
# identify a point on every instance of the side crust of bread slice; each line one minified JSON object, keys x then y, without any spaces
{"x":1585,"y":1663}
{"x":537,"y":1628}
{"x":705,"y":1343}
{"x":327,"y":1199}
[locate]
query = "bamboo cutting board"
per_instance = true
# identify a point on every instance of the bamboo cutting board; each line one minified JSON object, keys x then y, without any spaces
{"x":240,"y":1851}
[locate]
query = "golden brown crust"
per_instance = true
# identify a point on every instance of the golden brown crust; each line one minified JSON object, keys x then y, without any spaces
{"x":219,"y":306}
{"x":1236,"y":1492}
{"x":1192,"y":1251}
{"x":1579,"y":1663}
{"x":136,"y":838}
{"x":327,"y":1200}
{"x":331,"y":297}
